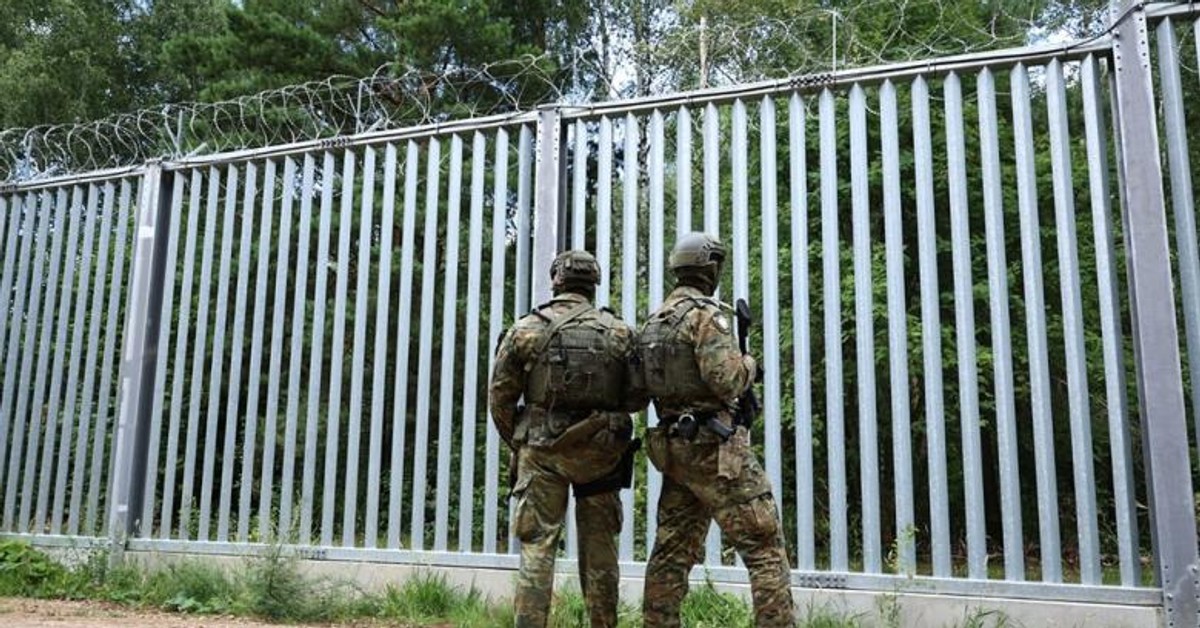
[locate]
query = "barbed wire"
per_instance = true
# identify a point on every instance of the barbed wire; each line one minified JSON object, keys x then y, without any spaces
{"x":392,"y":97}
{"x":679,"y":54}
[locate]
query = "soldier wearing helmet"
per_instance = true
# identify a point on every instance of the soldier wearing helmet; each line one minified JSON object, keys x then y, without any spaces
{"x":561,"y":393}
{"x":694,"y":373}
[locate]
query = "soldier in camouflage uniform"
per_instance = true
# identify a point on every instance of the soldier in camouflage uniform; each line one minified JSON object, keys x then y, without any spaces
{"x":572,"y":363}
{"x":694,"y":373}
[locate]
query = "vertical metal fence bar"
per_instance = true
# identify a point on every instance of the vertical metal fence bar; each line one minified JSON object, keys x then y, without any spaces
{"x":449,"y":344}
{"x":237,"y":347}
{"x":1035,"y":315}
{"x":379,"y":370}
{"x":10,"y":226}
{"x":1155,"y":328}
{"x":864,"y":306}
{"x":16,"y":211}
{"x":295,"y":357}
{"x":1187,"y":257}
{"x":801,"y":335}
{"x":740,"y":203}
{"x":412,"y":166}
{"x":579,"y":189}
{"x":831,"y":252}
{"x":524,"y":218}
{"x":216,"y":375}
{"x":316,"y":361}
{"x":178,"y":370}
{"x":202,"y":314}
{"x":37,"y":230}
{"x":1076,"y":352}
{"x":425,"y":354}
{"x":38,"y":416}
{"x":656,"y":170}
{"x":964,"y":327}
{"x":470,"y":390}
{"x":629,"y":290}
{"x":772,"y":396}
{"x":491,"y":489}
{"x":712,"y":169}
{"x":1006,"y":422}
{"x":1110,"y":326}
{"x":164,"y":353}
{"x":109,"y":392}
{"x":258,"y":325}
{"x":712,"y":200}
{"x":604,"y":212}
{"x":931,"y":341}
{"x":740,"y":213}
{"x":893,"y":219}
{"x":333,"y":416}
{"x":362,"y":290}
{"x":683,"y":171}
{"x":54,"y":405}
{"x":275,"y":370}
{"x":70,"y":409}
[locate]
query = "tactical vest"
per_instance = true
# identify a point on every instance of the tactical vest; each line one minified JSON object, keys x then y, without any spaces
{"x":669,"y":366}
{"x":579,"y":362}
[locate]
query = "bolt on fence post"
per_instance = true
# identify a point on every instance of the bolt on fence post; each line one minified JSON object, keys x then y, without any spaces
{"x":549,"y":206}
{"x":138,"y":359}
{"x":1155,"y":330}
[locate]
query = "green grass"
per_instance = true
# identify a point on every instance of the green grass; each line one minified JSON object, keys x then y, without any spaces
{"x":271,"y":587}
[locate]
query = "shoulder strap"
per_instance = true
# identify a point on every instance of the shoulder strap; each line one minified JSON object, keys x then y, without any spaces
{"x":693,"y":303}
{"x":557,"y":324}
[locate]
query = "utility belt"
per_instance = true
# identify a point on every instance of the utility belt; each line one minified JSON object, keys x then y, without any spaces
{"x":688,"y":424}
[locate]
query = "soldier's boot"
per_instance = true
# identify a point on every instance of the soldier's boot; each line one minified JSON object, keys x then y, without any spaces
{"x":598,"y":519}
{"x":535,"y":583}
{"x":753,"y":529}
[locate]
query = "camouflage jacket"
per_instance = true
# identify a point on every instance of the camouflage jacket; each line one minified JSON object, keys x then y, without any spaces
{"x":514,"y":357}
{"x":708,"y":329}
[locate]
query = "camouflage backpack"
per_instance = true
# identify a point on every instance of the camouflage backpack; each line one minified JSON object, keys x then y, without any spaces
{"x":581,"y":361}
{"x":669,"y":366}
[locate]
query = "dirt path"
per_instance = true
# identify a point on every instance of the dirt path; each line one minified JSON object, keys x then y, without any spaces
{"x":86,"y":614}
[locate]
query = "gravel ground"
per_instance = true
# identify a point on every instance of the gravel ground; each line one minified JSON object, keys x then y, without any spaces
{"x":87,"y":614}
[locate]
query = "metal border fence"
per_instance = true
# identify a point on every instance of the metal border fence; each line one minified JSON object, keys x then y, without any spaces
{"x":285,"y":317}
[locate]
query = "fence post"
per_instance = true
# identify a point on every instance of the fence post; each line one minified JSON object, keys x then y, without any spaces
{"x":549,"y":206}
{"x":1155,"y":330}
{"x":138,"y":357}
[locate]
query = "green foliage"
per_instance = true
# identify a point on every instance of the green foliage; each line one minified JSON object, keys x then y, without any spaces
{"x":271,"y":587}
{"x":25,"y":571}
{"x":706,"y":608}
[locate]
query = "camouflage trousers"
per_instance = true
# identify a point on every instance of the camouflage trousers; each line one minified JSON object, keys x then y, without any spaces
{"x":706,"y":479}
{"x":544,"y":477}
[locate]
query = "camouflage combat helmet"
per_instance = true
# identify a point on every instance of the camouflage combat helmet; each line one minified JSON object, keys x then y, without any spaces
{"x":574,"y":269}
{"x":698,"y":255}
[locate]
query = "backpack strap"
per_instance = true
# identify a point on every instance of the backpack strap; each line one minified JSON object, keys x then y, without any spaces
{"x":557,"y":324}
